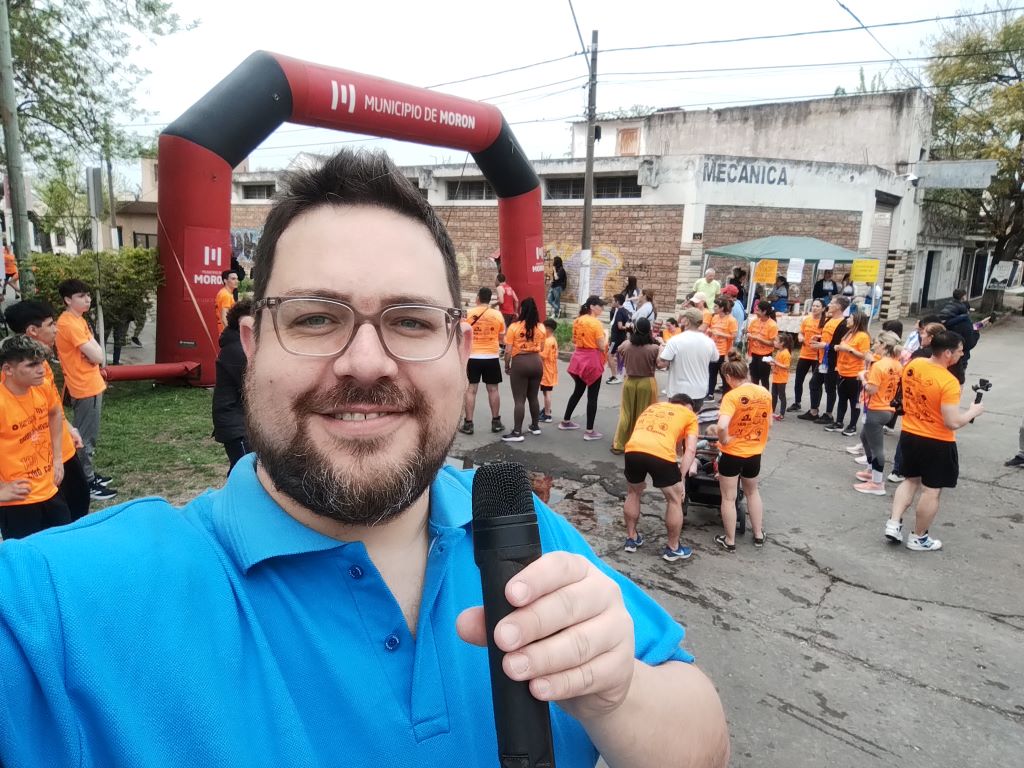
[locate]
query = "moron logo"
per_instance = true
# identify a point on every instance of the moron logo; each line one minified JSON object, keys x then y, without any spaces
{"x":212,"y":256}
{"x":343,"y":94}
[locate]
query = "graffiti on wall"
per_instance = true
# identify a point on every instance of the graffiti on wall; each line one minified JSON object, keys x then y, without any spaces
{"x":243,"y":245}
{"x":607,"y":274}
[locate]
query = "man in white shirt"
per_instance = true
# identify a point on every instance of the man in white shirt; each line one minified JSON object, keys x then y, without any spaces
{"x":687,"y":356}
{"x":708,"y":286}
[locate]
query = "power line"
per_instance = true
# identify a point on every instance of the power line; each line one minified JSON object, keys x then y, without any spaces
{"x":583,"y":46}
{"x":888,"y":53}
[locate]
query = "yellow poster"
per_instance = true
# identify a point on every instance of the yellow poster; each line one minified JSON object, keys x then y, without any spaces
{"x":864,"y":271}
{"x":766,"y":272}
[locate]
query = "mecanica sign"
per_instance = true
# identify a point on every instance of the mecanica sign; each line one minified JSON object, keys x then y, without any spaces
{"x":734,"y":172}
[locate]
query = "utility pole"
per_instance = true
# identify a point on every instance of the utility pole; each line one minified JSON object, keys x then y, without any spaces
{"x":588,"y":179}
{"x":12,"y":146}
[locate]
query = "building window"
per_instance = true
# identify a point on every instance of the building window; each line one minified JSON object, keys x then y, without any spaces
{"x":61,"y":239}
{"x":141,"y":240}
{"x":470,"y":190}
{"x":565,"y":189}
{"x":605,"y":187}
{"x":258,"y":191}
{"x":627,"y":141}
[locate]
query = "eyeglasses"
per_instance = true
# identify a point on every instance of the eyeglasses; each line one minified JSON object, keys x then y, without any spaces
{"x":313,"y":327}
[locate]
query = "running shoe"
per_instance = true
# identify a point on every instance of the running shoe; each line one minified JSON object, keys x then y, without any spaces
{"x":923,"y":543}
{"x":824,"y":419}
{"x":681,"y":553}
{"x":102,"y":480}
{"x":850,"y":432}
{"x":1016,"y":461}
{"x":894,"y":531}
{"x":466,"y":428}
{"x":497,"y":426}
{"x":513,"y":437}
{"x":632,"y":544}
{"x":808,"y":416}
{"x":534,"y":429}
{"x":834,"y":426}
{"x":862,"y":459}
{"x":592,"y":434}
{"x":720,"y":540}
{"x":545,"y":418}
{"x":568,"y":425}
{"x":863,"y":474}
{"x":794,"y":408}
{"x":853,"y":450}
{"x":100,"y":493}
{"x":870,"y":488}
{"x":778,"y":416}
{"x":613,"y":380}
{"x":895,"y":477}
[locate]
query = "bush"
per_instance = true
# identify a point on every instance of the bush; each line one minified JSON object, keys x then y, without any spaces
{"x":127,"y":280}
{"x":563,"y":333}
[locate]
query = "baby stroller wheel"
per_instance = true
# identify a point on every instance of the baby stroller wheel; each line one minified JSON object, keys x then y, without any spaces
{"x":741,"y":516}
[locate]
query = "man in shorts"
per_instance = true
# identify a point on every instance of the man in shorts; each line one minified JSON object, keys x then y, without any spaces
{"x":931,"y":415}
{"x":488,"y":330}
{"x":653,"y":450}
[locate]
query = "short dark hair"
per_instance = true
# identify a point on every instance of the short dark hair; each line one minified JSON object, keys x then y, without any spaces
{"x":226,"y":274}
{"x":241,"y":308}
{"x":484,"y":294}
{"x":69,"y":288}
{"x":893,"y":325}
{"x":20,"y":348}
{"x":944,"y":340}
{"x":551,"y":325}
{"x":959,"y":294}
{"x":620,"y":297}
{"x":929,"y":318}
{"x":681,"y":399}
{"x":362,"y":177}
{"x":26,"y":313}
{"x":500,"y":277}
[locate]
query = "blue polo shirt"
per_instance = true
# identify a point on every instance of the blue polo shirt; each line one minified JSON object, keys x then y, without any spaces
{"x":228,"y":634}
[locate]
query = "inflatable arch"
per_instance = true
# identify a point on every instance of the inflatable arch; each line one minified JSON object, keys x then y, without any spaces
{"x":198,"y":151}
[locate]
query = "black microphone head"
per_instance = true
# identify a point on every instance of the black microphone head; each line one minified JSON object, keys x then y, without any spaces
{"x":501,"y":490}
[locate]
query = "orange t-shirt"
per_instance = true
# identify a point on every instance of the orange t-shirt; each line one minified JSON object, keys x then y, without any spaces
{"x":587,"y":332}
{"x":847,"y":365}
{"x":81,"y":376}
{"x":516,"y":342}
{"x":884,"y":374}
{"x":808,"y":329}
{"x":926,"y":388}
{"x":767,"y":328}
{"x":725,"y":324}
{"x":225,"y":301}
{"x":549,"y":354}
{"x":660,"y":429}
{"x":667,"y":333}
{"x":10,"y":264}
{"x":828,"y":330}
{"x":780,"y":371}
{"x":67,"y":446}
{"x":488,"y":325}
{"x":750,"y":406}
{"x":708,"y":314}
{"x":26,"y":452}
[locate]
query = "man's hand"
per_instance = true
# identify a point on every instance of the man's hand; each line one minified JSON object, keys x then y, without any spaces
{"x":76,"y":437}
{"x":570,"y":636}
{"x":16,"y":490}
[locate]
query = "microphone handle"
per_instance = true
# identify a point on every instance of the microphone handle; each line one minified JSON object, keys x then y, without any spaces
{"x":523,"y":723}
{"x":977,"y":399}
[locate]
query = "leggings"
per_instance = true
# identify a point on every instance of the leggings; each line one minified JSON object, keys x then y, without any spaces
{"x":760,"y":371}
{"x":526,"y":371}
{"x":803,"y":367}
{"x":577,"y":393}
{"x":872,"y":438}
{"x":826,"y":381}
{"x":779,"y":394}
{"x":849,"y":395}
{"x":714,"y":367}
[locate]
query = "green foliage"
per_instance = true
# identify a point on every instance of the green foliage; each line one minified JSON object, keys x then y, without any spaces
{"x":62,"y":190}
{"x":563,"y":333}
{"x":127,"y":279}
{"x":979,"y":114}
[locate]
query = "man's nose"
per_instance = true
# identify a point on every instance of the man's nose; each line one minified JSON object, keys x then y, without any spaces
{"x":365,"y":360}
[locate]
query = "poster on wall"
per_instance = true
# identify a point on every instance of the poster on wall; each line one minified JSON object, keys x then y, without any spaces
{"x":795,"y":270}
{"x":1000,"y":277}
{"x":766,"y":272}
{"x":864,"y":271}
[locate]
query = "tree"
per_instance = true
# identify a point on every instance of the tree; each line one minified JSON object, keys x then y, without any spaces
{"x":63,"y":193}
{"x":73,"y":70}
{"x":979,"y":114}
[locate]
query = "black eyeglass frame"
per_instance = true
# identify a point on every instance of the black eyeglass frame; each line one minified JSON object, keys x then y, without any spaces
{"x":271,"y":303}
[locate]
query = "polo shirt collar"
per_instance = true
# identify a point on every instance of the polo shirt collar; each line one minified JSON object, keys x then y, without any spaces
{"x":254,"y":528}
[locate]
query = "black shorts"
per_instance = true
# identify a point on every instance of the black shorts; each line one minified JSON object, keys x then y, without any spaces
{"x":936,"y":462}
{"x":663,"y":473}
{"x":731,"y":466}
{"x":488,"y":369}
{"x":613,"y":346}
{"x":20,"y":520}
{"x":546,"y":388}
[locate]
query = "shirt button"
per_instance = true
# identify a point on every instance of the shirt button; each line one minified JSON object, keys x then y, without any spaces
{"x":355,"y":572}
{"x":391,"y":642}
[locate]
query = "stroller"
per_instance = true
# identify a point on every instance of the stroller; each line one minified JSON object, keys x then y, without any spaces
{"x":702,"y":488}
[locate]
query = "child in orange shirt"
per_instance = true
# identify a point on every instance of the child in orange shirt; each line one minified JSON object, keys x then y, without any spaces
{"x":549,"y":356}
{"x":783,"y":344}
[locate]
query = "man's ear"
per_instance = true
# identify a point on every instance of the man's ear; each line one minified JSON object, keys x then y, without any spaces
{"x":247,"y":334}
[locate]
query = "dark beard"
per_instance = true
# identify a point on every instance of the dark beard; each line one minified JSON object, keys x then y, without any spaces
{"x":305,"y":475}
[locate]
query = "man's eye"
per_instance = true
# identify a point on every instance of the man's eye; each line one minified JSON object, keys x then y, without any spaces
{"x":313,"y":321}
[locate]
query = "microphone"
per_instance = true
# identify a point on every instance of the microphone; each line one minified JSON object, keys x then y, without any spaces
{"x":505,"y":540}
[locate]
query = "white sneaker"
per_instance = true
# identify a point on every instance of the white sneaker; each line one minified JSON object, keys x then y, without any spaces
{"x":923,"y":543}
{"x":894,"y":478}
{"x":853,"y":450}
{"x":894,"y":532}
{"x":863,"y":460}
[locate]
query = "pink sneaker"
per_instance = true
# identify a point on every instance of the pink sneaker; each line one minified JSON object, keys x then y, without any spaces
{"x":871,"y":488}
{"x":568,"y":425}
{"x":592,"y":434}
{"x":864,"y":475}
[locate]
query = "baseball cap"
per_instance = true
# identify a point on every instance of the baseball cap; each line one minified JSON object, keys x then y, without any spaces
{"x":730,"y":290}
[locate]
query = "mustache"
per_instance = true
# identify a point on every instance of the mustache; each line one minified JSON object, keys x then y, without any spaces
{"x":382,"y":394}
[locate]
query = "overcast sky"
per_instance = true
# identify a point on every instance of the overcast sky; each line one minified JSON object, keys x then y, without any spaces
{"x":429,"y":43}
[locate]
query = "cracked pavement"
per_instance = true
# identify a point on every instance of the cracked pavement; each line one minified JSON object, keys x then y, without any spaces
{"x":830,"y":646}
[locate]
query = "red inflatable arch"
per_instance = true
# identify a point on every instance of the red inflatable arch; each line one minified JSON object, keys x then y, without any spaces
{"x":198,"y":151}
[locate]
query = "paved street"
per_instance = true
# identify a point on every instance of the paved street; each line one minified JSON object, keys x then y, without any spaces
{"x":829,"y":646}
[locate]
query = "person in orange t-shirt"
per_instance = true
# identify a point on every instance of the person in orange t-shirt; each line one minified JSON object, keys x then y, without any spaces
{"x":931,"y":404}
{"x":586,"y":365}
{"x":722,"y":329}
{"x":80,"y":359}
{"x":225,"y":299}
{"x":653,"y":449}
{"x":670,"y":329}
{"x":853,"y":354}
{"x":881,"y":382}
{"x":810,"y":329}
{"x":523,"y":344}
{"x":549,"y":355}
{"x":488,"y":333}
{"x":780,"y":363}
{"x":35,"y":320}
{"x":761,"y":333}
{"x":742,"y":430}
{"x":31,"y":434}
{"x":824,"y":375}
{"x":10,"y":274}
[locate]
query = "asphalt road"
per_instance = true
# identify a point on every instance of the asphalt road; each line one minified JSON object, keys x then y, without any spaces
{"x":831,"y":647}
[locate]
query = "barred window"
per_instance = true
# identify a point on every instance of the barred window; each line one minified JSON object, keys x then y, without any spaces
{"x":565,"y":189}
{"x":258,"y":191}
{"x":605,"y":187}
{"x":470,"y":190}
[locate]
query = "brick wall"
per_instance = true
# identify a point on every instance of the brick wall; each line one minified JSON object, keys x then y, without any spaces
{"x":724,"y":225}
{"x":249,"y":216}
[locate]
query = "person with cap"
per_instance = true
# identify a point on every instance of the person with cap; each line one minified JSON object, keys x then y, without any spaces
{"x":586,"y":365}
{"x":739,"y":311}
{"x":687,"y":357}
